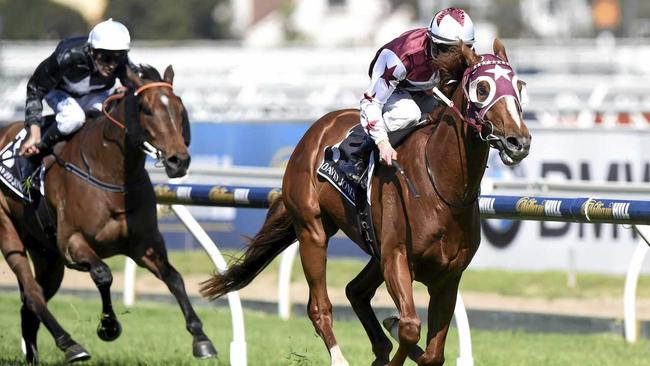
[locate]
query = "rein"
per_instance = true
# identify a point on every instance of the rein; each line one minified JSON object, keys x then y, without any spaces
{"x":86,"y":175}
{"x":478,"y":127}
{"x":435,"y":187}
{"x":147,"y":147}
{"x":122,"y":95}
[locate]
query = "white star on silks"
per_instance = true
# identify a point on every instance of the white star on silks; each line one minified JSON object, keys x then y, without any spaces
{"x":498,"y":72}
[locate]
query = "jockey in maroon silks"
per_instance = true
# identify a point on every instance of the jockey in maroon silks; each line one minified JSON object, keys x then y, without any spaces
{"x":401,"y":79}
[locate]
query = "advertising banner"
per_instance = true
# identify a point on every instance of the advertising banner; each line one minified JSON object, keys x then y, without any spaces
{"x":594,"y":155}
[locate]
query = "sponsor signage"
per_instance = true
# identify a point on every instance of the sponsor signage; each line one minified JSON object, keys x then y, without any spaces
{"x":556,"y":154}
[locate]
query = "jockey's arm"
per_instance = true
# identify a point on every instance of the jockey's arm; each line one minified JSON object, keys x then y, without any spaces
{"x":45,"y":78}
{"x":387,"y":72}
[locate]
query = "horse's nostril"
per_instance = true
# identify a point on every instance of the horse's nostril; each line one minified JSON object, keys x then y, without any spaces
{"x":514,"y":143}
{"x":173,"y":160}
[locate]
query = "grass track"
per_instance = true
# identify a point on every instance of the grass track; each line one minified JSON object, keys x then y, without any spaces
{"x":154,"y":335}
{"x":545,"y":284}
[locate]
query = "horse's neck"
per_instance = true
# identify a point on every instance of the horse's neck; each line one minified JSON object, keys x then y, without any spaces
{"x":108,"y":155}
{"x":457,"y":157}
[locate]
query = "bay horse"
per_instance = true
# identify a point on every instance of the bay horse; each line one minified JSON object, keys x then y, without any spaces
{"x":108,"y":207}
{"x":430,"y":239}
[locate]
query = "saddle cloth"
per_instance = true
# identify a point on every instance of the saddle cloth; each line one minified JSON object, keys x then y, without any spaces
{"x":10,"y":166}
{"x":353,"y":193}
{"x":349,"y":189}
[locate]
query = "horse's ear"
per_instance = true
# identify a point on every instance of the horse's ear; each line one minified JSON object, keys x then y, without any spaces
{"x":469,"y":55}
{"x":169,"y":74}
{"x":499,"y":50}
{"x":134,"y":79}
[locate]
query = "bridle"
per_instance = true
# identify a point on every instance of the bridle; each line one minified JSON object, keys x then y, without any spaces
{"x":146,"y":147}
{"x":475,"y":110}
{"x":474,"y":117}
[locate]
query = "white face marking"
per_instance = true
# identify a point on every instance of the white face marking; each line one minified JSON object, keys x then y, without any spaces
{"x":164,"y":100}
{"x":511,"y":105}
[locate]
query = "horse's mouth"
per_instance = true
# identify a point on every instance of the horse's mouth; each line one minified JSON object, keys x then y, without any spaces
{"x":507,"y":159}
{"x":510,"y":153}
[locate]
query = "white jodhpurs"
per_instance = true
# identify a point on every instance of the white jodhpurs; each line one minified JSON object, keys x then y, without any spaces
{"x":403,"y":109}
{"x":70,"y":111}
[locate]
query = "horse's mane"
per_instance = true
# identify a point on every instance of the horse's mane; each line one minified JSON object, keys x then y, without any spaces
{"x":147,"y":71}
{"x":451,"y":64}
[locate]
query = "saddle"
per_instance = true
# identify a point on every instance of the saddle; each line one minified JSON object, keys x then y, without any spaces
{"x":357,"y":193}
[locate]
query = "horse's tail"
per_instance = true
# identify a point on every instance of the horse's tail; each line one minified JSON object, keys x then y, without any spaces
{"x":276,"y":234}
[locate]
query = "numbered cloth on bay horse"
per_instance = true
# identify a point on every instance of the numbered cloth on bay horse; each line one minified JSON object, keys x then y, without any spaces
{"x":13,"y":167}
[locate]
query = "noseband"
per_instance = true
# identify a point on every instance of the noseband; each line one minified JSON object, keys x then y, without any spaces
{"x":147,"y":147}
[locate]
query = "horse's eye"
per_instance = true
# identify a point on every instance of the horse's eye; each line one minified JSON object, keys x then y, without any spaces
{"x":482,"y":90}
{"x":146,"y":110}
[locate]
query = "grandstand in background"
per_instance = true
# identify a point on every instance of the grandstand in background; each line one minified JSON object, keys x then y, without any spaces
{"x":589,"y":82}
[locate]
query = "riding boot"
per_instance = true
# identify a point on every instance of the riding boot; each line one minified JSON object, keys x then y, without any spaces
{"x":356,"y":147}
{"x":51,"y":136}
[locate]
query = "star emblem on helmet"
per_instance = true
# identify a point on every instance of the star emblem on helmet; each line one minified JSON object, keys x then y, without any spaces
{"x":499,"y":72}
{"x":457,"y":14}
{"x":388,"y":74}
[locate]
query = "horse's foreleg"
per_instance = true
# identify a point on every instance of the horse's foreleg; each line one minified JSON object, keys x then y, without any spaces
{"x":313,"y":254}
{"x":399,"y":284}
{"x":85,"y":259}
{"x":360,"y":291}
{"x":155,"y":260}
{"x":441,"y":309}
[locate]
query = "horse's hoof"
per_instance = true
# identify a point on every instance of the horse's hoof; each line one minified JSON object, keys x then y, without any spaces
{"x":203,"y":349}
{"x":30,"y":352}
{"x":76,"y":353}
{"x":391,"y":324}
{"x":109,"y":329}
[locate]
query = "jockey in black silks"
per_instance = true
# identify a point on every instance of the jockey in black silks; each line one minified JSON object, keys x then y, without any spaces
{"x":74,"y":81}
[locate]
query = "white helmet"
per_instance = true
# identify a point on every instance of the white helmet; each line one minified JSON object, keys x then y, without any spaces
{"x":110,"y":35}
{"x":450,"y":25}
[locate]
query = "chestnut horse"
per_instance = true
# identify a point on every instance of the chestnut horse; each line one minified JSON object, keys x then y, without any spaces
{"x":107,"y":208}
{"x":430,"y":239}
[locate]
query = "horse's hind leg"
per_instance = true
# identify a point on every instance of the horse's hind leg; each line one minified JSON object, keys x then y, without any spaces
{"x":313,"y":254}
{"x":85,"y":259}
{"x":34,"y":309}
{"x":154,"y":258}
{"x":49,"y":269}
{"x":360,"y":291}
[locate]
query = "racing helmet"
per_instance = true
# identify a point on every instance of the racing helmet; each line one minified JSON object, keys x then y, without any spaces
{"x":450,"y":25}
{"x":110,"y":35}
